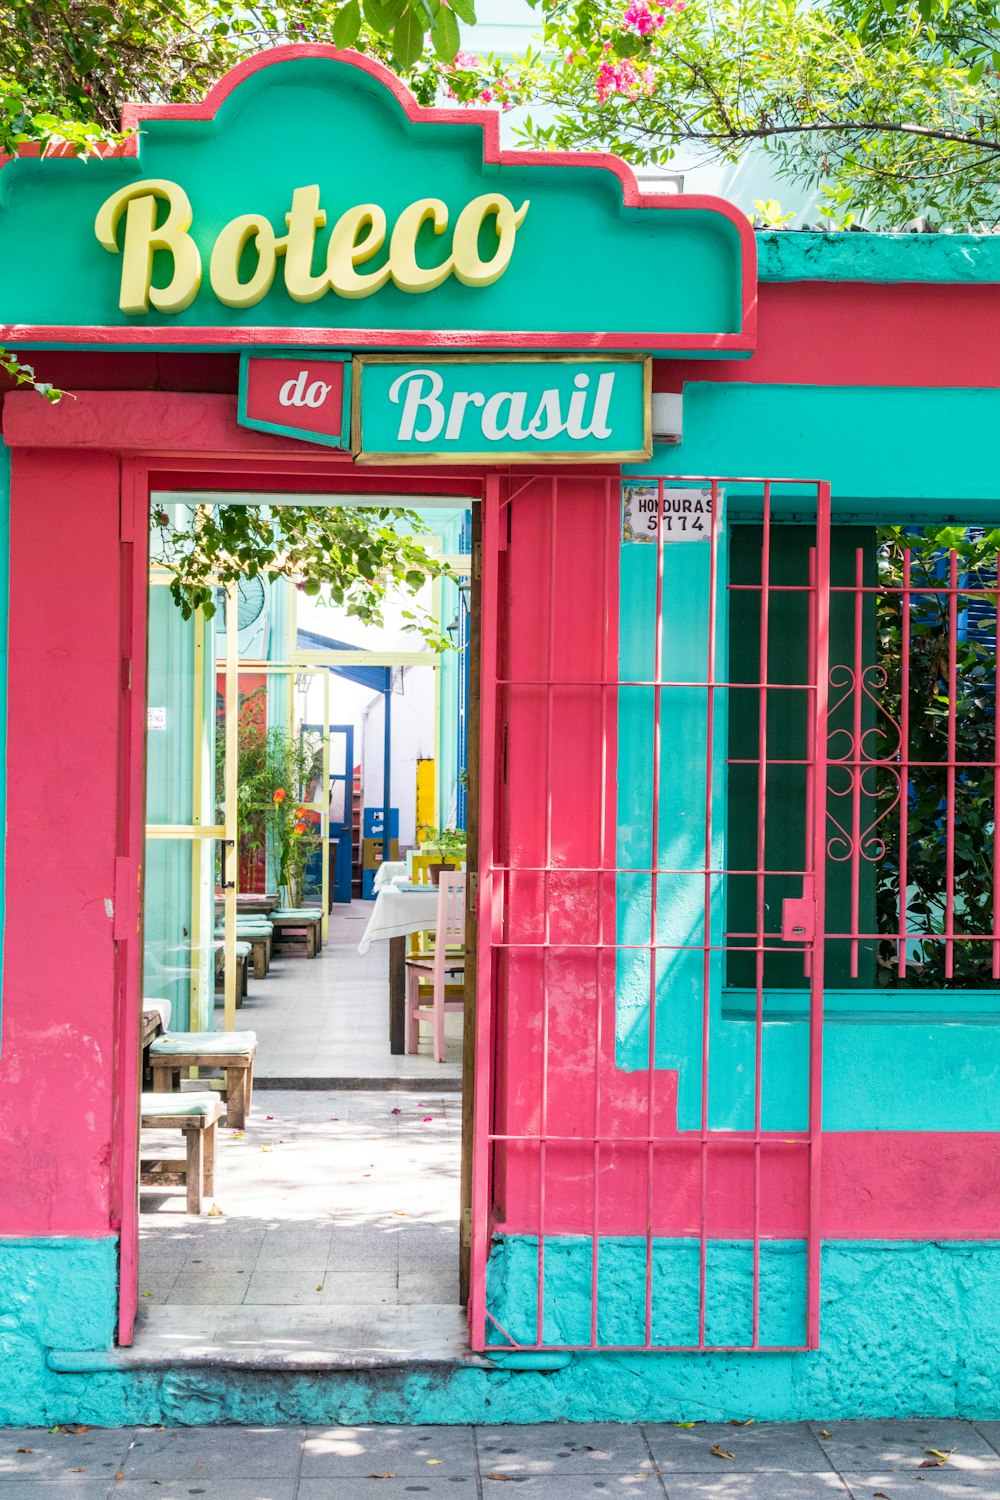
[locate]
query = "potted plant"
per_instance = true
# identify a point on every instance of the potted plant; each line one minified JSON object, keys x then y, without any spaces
{"x":447,"y":848}
{"x":277,"y":771}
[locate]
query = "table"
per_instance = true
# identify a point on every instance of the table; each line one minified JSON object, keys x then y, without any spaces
{"x":395,"y":915}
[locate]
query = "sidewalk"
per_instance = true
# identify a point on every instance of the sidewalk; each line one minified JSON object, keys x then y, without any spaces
{"x":769,"y":1461}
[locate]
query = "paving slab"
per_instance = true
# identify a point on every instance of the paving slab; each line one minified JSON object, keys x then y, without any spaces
{"x":376,"y":1487}
{"x":72,"y":1487}
{"x":216,"y":1488}
{"x":563,"y":1448}
{"x":759,"y":1447}
{"x":214,"y":1453}
{"x":763,"y":1485}
{"x":41,"y":1453}
{"x":991,"y":1432}
{"x":408,"y":1452}
{"x":928,"y":1484}
{"x":569,"y":1486}
{"x":884,"y":1445}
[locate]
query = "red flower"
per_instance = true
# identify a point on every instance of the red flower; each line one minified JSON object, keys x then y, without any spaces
{"x":280,"y":794}
{"x":299,"y":828}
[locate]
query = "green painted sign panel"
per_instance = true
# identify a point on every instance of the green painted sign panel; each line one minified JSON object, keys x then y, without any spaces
{"x":509,"y":410}
{"x":309,"y":202}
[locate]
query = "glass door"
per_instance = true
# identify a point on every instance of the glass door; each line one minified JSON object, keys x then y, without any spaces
{"x":190,"y":908}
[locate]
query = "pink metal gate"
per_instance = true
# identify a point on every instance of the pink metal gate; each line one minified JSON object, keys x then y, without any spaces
{"x":577,"y":1141}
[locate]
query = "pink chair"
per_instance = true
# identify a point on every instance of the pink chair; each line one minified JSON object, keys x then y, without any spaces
{"x":442,"y":971}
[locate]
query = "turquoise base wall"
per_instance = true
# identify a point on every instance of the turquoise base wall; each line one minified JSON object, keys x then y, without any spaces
{"x":909,"y":1329}
{"x":54,"y":1294}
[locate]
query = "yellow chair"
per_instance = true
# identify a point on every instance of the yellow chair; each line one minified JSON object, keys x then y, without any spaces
{"x":420,"y":868}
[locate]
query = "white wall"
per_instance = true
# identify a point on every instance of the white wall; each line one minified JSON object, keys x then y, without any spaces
{"x":412,"y":731}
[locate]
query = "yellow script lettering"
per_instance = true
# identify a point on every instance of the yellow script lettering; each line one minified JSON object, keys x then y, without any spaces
{"x":357,"y":237}
{"x":224,"y":269}
{"x":406,"y":273}
{"x":347,"y":251}
{"x":143,"y":237}
{"x":469,"y":268}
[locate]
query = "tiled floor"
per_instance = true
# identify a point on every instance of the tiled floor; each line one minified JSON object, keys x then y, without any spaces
{"x":326,"y":1198}
{"x":335,"y":1210}
{"x":769,"y":1461}
{"x":328,"y":1017}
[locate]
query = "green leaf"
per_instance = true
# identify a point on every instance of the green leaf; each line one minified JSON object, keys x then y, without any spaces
{"x":445,"y":34}
{"x":347,"y":24}
{"x":465,"y":10}
{"x":408,"y":38}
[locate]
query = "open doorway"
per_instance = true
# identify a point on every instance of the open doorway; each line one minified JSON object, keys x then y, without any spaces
{"x":284,"y":737}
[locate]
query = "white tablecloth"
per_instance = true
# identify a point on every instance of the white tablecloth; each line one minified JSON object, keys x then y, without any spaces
{"x":388,"y":871}
{"x":397,"y":913}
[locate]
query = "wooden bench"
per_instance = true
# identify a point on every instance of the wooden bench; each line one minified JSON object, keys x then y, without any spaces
{"x":259,"y":935}
{"x":244,"y":953}
{"x":196,"y":1115}
{"x":232,"y":1051}
{"x":299,"y":924}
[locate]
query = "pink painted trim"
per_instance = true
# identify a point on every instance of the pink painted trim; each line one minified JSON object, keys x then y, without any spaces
{"x":21,"y":335}
{"x":876,"y":1185}
{"x":860,"y":334}
{"x":488,"y":915}
{"x":135,"y":115}
{"x":128,"y":922}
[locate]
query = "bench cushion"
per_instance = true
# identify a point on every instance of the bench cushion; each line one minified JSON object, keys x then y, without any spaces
{"x":301,"y":913}
{"x":244,"y":950}
{"x":160,"y":1106}
{"x":205,"y":1043}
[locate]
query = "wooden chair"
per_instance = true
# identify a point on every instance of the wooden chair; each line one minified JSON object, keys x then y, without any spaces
{"x":232,"y":1051}
{"x":439,"y":974}
{"x":420,"y":865}
{"x":196,"y":1116}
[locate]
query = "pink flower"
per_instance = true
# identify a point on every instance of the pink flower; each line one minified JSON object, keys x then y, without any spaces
{"x":486,"y":96}
{"x":640,"y":18}
{"x":464,"y":60}
{"x":617,"y":78}
{"x":607,"y":81}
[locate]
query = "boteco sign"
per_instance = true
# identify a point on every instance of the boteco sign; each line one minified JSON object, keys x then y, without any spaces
{"x":311,"y":202}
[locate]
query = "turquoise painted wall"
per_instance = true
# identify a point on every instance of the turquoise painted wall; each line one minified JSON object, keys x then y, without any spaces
{"x":901,"y":453}
{"x":680,"y":904}
{"x":908,"y":1330}
{"x":886,"y":456}
{"x":54,"y":1293}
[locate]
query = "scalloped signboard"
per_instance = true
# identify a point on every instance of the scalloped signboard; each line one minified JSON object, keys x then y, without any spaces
{"x":309,"y":202}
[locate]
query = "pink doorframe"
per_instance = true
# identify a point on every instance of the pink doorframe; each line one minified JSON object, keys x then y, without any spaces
{"x":108,"y":450}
